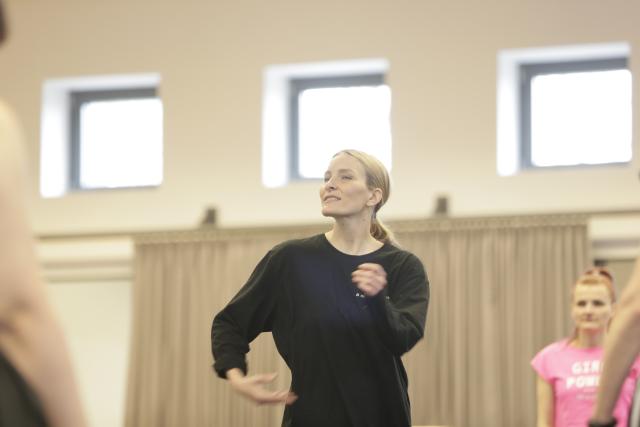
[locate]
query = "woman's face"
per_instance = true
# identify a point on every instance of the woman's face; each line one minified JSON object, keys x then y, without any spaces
{"x":592,"y":307}
{"x":345,"y":192}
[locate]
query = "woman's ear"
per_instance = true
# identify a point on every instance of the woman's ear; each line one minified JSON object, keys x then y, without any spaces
{"x":375,"y":198}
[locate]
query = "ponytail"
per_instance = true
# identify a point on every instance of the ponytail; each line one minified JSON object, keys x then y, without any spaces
{"x":381,"y":232}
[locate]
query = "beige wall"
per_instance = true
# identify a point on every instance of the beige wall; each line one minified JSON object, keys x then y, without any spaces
{"x":96,"y":317}
{"x":90,"y":285}
{"x":211,"y":55}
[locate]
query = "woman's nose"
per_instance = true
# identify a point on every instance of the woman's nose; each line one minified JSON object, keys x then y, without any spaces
{"x":329,"y":184}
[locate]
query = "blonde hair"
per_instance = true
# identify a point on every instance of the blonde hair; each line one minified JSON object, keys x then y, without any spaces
{"x":377,"y":177}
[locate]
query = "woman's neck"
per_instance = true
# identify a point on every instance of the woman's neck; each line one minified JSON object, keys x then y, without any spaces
{"x":353,"y":237}
{"x":589,"y":339}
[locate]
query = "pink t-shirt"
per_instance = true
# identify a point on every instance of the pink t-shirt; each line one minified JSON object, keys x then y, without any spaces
{"x":574,"y":374}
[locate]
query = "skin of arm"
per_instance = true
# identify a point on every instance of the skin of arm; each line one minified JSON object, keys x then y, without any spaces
{"x":621,"y":348}
{"x":30,"y":336}
{"x":544,"y":393}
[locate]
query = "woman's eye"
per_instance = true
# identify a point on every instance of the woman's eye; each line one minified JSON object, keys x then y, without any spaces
{"x":581,"y":303}
{"x":598,"y":303}
{"x":347,"y":177}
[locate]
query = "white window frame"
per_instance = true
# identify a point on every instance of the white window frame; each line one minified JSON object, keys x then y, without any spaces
{"x":512,"y":153}
{"x":277,"y":156}
{"x":56,"y":129}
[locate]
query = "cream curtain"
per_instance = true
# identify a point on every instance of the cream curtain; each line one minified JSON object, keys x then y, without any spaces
{"x":499,"y":292}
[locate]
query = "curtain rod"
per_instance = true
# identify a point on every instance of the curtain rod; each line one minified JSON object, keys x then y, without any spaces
{"x":115,"y":235}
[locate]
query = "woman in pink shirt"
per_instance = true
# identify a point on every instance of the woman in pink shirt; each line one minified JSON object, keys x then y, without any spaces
{"x":569,"y":370}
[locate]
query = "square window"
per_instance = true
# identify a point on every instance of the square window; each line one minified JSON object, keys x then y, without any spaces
{"x":335,"y":113}
{"x":576,"y":113}
{"x":116,"y":139}
{"x":313,"y":110}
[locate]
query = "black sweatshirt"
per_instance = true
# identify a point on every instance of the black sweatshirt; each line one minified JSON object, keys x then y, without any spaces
{"x":19,"y":406}
{"x":343,"y":349}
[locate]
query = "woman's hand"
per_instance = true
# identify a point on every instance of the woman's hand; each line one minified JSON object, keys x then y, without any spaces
{"x":370,"y":278}
{"x":252,"y":387}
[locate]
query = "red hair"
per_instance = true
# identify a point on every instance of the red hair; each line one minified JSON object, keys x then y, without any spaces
{"x":597,"y":276}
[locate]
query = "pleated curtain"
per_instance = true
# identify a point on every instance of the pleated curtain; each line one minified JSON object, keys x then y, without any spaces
{"x":500,"y":291}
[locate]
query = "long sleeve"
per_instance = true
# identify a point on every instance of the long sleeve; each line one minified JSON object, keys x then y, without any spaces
{"x":341,"y":349}
{"x":248,"y":314}
{"x":401,"y":309}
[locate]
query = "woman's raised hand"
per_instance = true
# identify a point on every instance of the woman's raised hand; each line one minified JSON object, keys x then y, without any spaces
{"x":370,"y":278}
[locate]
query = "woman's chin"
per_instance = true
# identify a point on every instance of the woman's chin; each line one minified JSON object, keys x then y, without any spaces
{"x":326,"y":212}
{"x":592,"y":329}
{"x":333,"y":214}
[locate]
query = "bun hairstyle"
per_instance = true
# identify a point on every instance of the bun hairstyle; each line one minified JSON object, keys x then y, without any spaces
{"x":598,"y":276}
{"x":594,"y":277}
{"x":377,"y":177}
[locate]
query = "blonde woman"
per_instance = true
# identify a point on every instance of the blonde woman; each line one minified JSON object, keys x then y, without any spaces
{"x":343,"y":306}
{"x":569,"y":370}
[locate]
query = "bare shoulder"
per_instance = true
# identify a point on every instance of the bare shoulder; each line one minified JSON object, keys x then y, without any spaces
{"x":8,"y":126}
{"x":18,"y":271}
{"x":10,"y":139}
{"x":11,"y":155}
{"x":12,"y":175}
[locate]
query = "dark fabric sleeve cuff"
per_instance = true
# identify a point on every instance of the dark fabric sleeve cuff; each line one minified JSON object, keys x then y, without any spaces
{"x":378,"y":303}
{"x":223,"y":364}
{"x":378,"y":306}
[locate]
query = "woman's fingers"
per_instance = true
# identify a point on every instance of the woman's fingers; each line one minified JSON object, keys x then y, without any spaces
{"x":369,"y":266}
{"x":370,"y":278}
{"x":262,"y":396}
{"x":291,"y":397}
{"x":265,"y":397}
{"x":368,"y":286}
{"x":253,"y":388}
